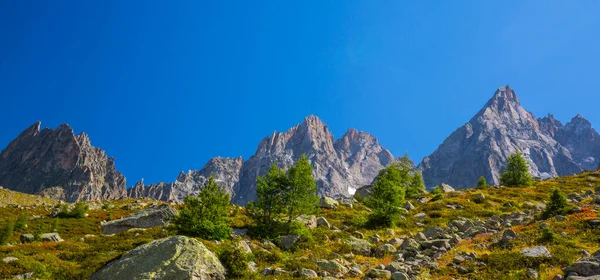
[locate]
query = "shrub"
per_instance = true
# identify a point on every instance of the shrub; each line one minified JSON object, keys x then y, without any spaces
{"x":6,"y":233}
{"x":548,"y":236}
{"x":437,"y":193}
{"x":558,"y":204}
{"x":79,"y":210}
{"x":235,"y":261}
{"x":205,"y":216}
{"x":482,"y":183}
{"x":516,"y":172}
{"x":387,"y":197}
{"x":21,"y":223}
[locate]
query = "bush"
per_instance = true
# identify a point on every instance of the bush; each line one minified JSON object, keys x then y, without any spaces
{"x":437,"y":193}
{"x":6,"y":233}
{"x":558,"y":204}
{"x":516,"y":172}
{"x":21,"y":223}
{"x":205,"y":216}
{"x":235,"y":261}
{"x":79,"y":210}
{"x":482,"y":183}
{"x":548,"y":236}
{"x":387,"y":197}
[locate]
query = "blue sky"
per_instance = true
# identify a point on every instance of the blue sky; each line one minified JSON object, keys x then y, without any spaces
{"x":165,"y":85}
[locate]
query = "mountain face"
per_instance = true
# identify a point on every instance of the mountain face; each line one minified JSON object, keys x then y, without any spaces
{"x":578,"y":136}
{"x":340,"y":167}
{"x":482,"y":146}
{"x":59,"y":164}
{"x":225,"y":170}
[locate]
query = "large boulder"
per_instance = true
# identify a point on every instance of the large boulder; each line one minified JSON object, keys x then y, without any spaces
{"x":536,"y":252}
{"x":445,"y":188}
{"x":329,"y":203}
{"x":359,"y":246}
{"x":310,"y":221}
{"x":331,"y":266}
{"x":176,"y":257}
{"x":153,"y":216}
{"x":585,"y":267}
{"x":51,"y":237}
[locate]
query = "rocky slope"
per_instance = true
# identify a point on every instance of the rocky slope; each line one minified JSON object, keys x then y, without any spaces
{"x":226,"y":171}
{"x":59,"y":164}
{"x":481,"y":147}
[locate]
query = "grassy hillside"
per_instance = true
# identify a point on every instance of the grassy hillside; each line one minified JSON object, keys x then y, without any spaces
{"x":85,"y":249}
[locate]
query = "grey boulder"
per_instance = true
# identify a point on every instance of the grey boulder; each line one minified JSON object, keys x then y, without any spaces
{"x":148,"y":218}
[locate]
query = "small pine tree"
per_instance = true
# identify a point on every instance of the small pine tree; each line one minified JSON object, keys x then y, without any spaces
{"x":79,"y":210}
{"x":516,"y":172}
{"x":482,"y":183}
{"x":387,"y":196}
{"x":416,"y":186}
{"x":558,"y":204}
{"x":205,"y":216}
{"x":235,"y":261}
{"x":6,"y":233}
{"x":290,"y":194}
{"x":21,"y":223}
{"x":300,"y":196}
{"x":548,"y":236}
{"x":437,"y":193}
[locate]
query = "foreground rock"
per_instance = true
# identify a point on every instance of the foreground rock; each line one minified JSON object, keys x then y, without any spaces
{"x":176,"y":257}
{"x":587,"y":267}
{"x":536,"y":252}
{"x":147,"y":218}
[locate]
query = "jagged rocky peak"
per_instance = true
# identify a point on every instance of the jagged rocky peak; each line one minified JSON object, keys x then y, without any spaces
{"x":339,"y":167}
{"x":582,"y":140}
{"x":225,"y":170}
{"x":482,"y":146}
{"x":60,"y":164}
{"x":549,"y":125}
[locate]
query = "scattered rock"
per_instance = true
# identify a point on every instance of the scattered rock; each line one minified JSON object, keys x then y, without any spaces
{"x":321,"y":221}
{"x":307,"y":273}
{"x":310,"y":221}
{"x":287,"y":241}
{"x":27,"y":238}
{"x":399,"y":276}
{"x":385,"y":250}
{"x":508,"y":235}
{"x":446,"y":188}
{"x":532,"y":274}
{"x":51,"y":237}
{"x":329,"y":203}
{"x":536,"y":252}
{"x":176,"y":257}
{"x":408,"y":206}
{"x":379,"y":274}
{"x":331,"y":266}
{"x":153,"y":216}
{"x":10,"y":259}
{"x":359,"y":246}
{"x":420,"y":215}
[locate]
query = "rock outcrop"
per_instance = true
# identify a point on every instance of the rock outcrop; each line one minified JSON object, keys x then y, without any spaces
{"x":482,"y":146}
{"x":153,"y":216}
{"x":176,"y":257}
{"x":59,"y":164}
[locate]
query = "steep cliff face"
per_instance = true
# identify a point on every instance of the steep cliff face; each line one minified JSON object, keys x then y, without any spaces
{"x":225,"y":170}
{"x":60,"y":164}
{"x":481,"y":147}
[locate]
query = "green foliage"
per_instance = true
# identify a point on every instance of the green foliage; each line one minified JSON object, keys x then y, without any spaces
{"x":205,"y":216}
{"x":416,"y":186}
{"x":300,"y":194}
{"x":558,"y":204}
{"x":235,"y":261}
{"x":78,"y":211}
{"x":548,"y":236}
{"x":387,"y":197}
{"x":21,"y":223}
{"x":482,"y":183}
{"x":516,"y":172}
{"x":6,"y":233}
{"x":54,"y":224}
{"x":290,"y":194}
{"x":437,"y":193}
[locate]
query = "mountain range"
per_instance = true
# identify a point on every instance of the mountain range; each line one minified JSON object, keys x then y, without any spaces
{"x":59,"y":164}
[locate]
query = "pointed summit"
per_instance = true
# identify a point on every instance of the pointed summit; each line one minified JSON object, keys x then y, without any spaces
{"x":503,"y":98}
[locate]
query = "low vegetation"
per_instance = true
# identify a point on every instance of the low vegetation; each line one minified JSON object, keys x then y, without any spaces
{"x":560,"y":224}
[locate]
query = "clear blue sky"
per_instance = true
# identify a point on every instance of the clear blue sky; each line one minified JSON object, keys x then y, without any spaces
{"x":165,"y":85}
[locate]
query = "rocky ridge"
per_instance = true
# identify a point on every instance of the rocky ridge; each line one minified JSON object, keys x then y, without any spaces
{"x":59,"y":164}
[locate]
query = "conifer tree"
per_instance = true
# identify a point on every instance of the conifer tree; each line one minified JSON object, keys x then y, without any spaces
{"x":205,"y":216}
{"x":482,"y":183}
{"x":516,"y":172}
